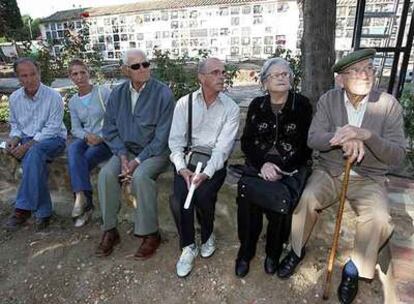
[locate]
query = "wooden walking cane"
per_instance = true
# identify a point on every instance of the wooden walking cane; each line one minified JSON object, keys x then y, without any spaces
{"x":334,"y":247}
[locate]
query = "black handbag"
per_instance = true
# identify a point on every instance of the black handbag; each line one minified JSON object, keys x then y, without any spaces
{"x":280,"y":196}
{"x":194,"y":154}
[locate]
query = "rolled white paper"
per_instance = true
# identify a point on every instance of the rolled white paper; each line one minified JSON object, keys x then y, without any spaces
{"x":192,"y":187}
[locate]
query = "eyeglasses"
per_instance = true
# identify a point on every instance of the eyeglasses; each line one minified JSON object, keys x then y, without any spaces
{"x":354,"y":72}
{"x":277,"y":75}
{"x":137,"y":66}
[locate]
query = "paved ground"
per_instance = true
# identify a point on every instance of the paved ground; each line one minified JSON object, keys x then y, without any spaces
{"x":401,"y":193}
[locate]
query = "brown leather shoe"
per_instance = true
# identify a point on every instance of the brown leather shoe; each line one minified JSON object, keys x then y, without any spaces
{"x":17,"y":220}
{"x":109,"y":240}
{"x":148,"y":247}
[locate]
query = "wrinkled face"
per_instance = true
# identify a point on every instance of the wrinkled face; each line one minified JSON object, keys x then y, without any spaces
{"x":138,"y":68}
{"x":277,"y":79}
{"x":29,"y":77}
{"x":358,"y":79}
{"x":79,"y":75}
{"x":212,"y":79}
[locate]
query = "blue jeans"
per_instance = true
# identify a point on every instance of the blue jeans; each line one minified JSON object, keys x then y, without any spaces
{"x":82,"y":158}
{"x":33,"y":193}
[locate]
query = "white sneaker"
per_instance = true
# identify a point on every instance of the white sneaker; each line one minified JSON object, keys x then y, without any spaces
{"x":186,"y":262}
{"x":83,"y":219}
{"x":208,"y":248}
{"x":79,"y":205}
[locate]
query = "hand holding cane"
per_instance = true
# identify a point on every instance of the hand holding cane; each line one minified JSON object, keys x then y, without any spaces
{"x":334,"y":246}
{"x":192,"y":187}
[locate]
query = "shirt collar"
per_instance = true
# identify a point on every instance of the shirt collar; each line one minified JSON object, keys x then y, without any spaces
{"x":199,"y":92}
{"x":132,"y":89}
{"x":359,"y":106}
{"x":36,"y":96}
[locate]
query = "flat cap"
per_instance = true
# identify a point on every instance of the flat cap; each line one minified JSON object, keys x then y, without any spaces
{"x":352,"y":58}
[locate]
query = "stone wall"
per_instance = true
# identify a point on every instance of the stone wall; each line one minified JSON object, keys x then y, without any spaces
{"x":62,"y":196}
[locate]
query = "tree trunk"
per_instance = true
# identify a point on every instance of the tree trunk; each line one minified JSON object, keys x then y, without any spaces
{"x":318,"y":47}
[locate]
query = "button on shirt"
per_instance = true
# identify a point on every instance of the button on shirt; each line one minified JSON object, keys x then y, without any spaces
{"x":215,"y":127}
{"x":40,"y":117}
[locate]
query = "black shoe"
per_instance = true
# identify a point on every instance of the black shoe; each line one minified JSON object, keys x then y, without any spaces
{"x":42,"y":223}
{"x":242,"y":268}
{"x":288,"y":264}
{"x":348,"y":288}
{"x":17,"y":220}
{"x":270,"y":265}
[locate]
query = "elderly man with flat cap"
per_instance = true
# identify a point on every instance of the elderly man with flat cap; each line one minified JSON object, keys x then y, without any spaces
{"x":365,"y":125}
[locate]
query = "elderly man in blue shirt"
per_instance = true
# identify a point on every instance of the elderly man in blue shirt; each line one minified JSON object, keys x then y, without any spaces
{"x":37,"y":136}
{"x":136,"y":127}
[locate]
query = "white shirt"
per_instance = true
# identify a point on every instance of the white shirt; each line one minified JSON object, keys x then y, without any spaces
{"x":355,"y":115}
{"x":134,"y":95}
{"x":215,"y":127}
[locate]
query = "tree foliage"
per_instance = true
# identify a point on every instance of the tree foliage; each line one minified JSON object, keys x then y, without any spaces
{"x":31,"y":25}
{"x":49,"y":68}
{"x":181,"y":74}
{"x":407,"y":103}
{"x":11,"y":23}
{"x":76,"y":44}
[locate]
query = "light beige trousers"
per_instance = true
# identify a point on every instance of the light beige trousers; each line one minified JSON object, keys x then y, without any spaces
{"x":369,"y":201}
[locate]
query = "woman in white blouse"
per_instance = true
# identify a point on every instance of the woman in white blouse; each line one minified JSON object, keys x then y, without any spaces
{"x":87,"y":149}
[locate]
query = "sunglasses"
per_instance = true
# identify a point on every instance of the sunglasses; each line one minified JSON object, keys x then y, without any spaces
{"x":137,"y":66}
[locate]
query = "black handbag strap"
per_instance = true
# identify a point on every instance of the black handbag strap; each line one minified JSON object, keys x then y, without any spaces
{"x":190,"y":121}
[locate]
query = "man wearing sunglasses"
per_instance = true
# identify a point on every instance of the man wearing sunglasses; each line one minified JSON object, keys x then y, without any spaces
{"x":214,"y":125}
{"x":365,"y":125}
{"x":136,"y":127}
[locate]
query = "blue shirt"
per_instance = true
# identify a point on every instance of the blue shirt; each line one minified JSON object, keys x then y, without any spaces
{"x":40,"y":117}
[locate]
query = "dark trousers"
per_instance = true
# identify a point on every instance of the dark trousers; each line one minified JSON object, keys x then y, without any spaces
{"x":249,"y":226}
{"x":203,"y":203}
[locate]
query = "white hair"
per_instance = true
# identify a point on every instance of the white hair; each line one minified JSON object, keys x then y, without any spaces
{"x":264,"y":73}
{"x":132,"y":52}
{"x":202,"y":65}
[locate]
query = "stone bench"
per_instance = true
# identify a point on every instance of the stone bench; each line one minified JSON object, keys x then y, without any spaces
{"x":62,"y":197}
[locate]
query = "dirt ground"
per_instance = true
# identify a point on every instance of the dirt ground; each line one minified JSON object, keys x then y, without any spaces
{"x":58,"y":266}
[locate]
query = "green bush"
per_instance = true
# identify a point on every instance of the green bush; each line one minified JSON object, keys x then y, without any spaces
{"x":407,"y":103}
{"x":4,"y":112}
{"x":181,"y":74}
{"x":67,"y":94}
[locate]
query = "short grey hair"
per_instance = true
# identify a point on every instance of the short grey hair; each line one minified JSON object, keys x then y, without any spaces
{"x":130,"y":52}
{"x":202,"y":65}
{"x":25,"y":60}
{"x":264,"y":73}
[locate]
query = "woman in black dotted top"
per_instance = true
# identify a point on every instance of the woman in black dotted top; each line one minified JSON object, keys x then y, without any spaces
{"x":274,"y":143}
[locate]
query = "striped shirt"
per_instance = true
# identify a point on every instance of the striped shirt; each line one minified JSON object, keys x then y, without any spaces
{"x":40,"y":117}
